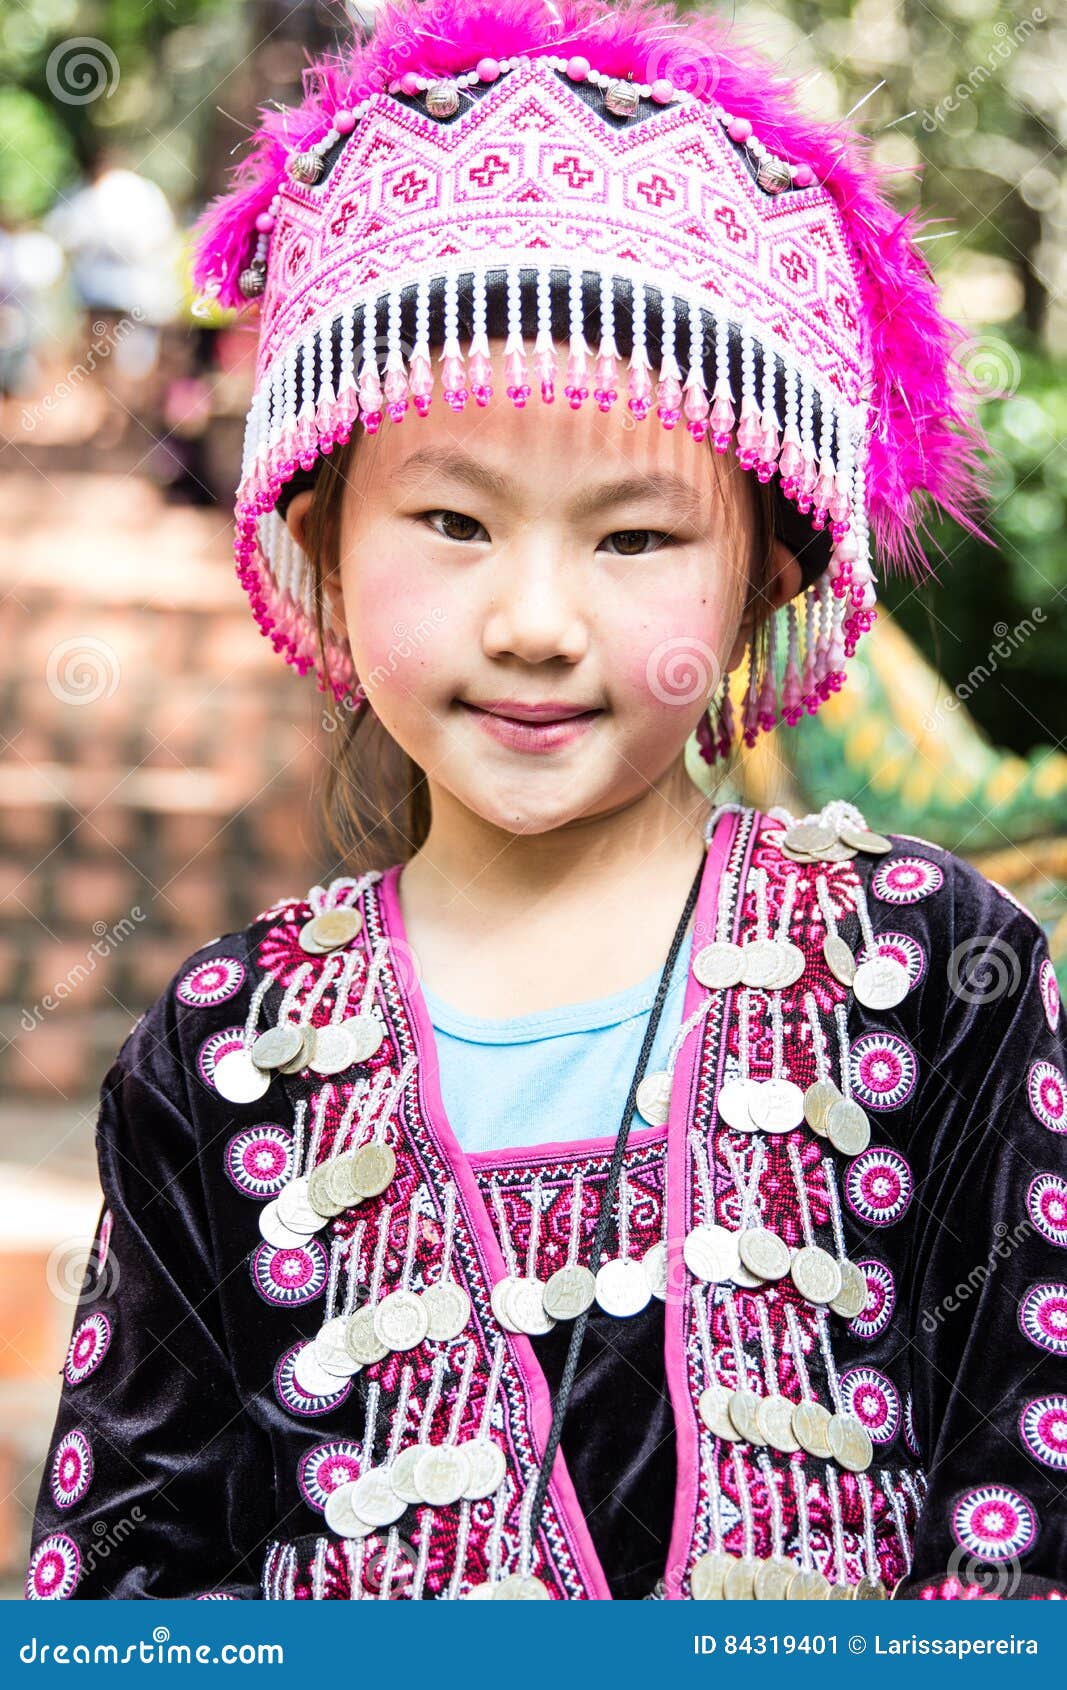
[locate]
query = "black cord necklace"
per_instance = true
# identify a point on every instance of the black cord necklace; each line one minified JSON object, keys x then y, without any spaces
{"x":559,"y":1407}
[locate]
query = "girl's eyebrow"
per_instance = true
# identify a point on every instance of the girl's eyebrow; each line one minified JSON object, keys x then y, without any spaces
{"x":625,"y":490}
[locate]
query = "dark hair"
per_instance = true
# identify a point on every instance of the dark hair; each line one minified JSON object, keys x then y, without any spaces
{"x":375,"y":799}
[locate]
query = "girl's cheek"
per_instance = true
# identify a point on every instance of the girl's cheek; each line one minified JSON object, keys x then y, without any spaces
{"x":673,"y":657}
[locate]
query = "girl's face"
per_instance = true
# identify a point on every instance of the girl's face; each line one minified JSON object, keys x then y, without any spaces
{"x":501,"y":564}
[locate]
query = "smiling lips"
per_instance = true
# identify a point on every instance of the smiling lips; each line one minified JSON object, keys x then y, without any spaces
{"x":532,"y":727}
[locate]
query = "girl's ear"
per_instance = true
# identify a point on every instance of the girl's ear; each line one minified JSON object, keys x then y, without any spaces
{"x":783,"y":582}
{"x":296,"y":514}
{"x":296,"y":522}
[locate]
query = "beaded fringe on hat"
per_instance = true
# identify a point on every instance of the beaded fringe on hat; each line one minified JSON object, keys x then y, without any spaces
{"x":353,"y":368}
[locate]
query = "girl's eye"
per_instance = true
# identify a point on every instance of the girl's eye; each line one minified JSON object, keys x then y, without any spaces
{"x":454,"y":525}
{"x":450,"y":521}
{"x":631,"y":539}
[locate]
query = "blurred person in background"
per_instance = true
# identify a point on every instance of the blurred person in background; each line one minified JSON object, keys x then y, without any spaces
{"x":123,"y":248}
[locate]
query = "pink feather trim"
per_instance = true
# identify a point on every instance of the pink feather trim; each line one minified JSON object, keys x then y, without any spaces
{"x":926,"y":437}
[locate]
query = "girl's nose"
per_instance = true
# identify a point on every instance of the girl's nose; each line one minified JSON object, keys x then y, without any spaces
{"x":535,"y":609}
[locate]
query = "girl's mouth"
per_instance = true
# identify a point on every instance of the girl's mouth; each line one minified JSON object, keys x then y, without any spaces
{"x":538,"y":728}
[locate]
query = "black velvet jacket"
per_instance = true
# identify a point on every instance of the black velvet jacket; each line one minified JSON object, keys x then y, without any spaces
{"x":173,"y":1430}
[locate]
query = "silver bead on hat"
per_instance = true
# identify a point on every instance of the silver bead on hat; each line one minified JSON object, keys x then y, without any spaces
{"x":621,"y":97}
{"x":252,"y":280}
{"x":442,"y":99}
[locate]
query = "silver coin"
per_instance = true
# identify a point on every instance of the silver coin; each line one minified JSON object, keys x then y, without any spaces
{"x":320,"y":1194}
{"x":744,"y":1412}
{"x":739,"y":1585}
{"x":870,"y":1590}
{"x":850,"y":1443}
{"x":275,"y":1231}
{"x":487,"y":1465}
{"x":808,"y":1587}
{"x":308,"y":942}
{"x":342,"y":1183}
{"x":847,"y":1127}
{"x":300,"y":1060}
{"x":762,"y":961}
{"x":622,"y":1287}
{"x":375,"y":1500}
{"x":569,"y":1292}
{"x":793,"y":963}
{"x":865,"y":839}
{"x":375,"y":1167}
{"x":442,"y":1474}
{"x":746,"y":1280}
{"x":714,"y":1410}
{"x":839,"y":852}
{"x":839,"y":959}
{"x":709,"y":1575}
{"x":881,"y":983}
{"x":310,"y":1374}
{"x":448,"y":1309}
{"x":654,"y":1098}
{"x":402,"y":1473}
{"x":654,"y":1267}
{"x":851,"y":1300}
{"x":815,"y":1274}
{"x":817,"y":1100}
{"x":776,"y":1106}
{"x":237,"y":1079}
{"x":332,"y":1352}
{"x":341,"y":1517}
{"x":798,"y":856}
{"x":811,"y":1426}
{"x":334,"y":1049}
{"x":276,"y":1046}
{"x":732,"y":1104}
{"x":710,"y":1253}
{"x":365,"y":1033}
{"x":763,"y":1253}
{"x":499,"y":1298}
{"x":526,"y":1305}
{"x":333,"y":928}
{"x":520,"y":1587}
{"x":776,"y":1423}
{"x":400,"y":1320}
{"x":719,"y":964}
{"x":294,"y":1207}
{"x":484,"y":1592}
{"x":364,"y":1344}
{"x":813,"y":837}
{"x":773,"y":1579}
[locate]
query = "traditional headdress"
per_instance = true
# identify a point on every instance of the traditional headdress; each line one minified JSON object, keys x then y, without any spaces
{"x":638,"y":206}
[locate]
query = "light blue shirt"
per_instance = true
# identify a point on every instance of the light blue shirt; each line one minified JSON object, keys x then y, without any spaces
{"x":557,"y":1074}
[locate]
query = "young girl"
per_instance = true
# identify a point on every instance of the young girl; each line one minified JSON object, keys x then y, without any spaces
{"x":585,"y":1194}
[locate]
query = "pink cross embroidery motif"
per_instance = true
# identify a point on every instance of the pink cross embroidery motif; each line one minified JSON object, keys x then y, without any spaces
{"x":486,"y":173}
{"x":345,"y":213}
{"x":409,"y":187}
{"x":794,"y":266}
{"x":727,"y":216}
{"x":656,"y":189}
{"x":578,"y":176}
